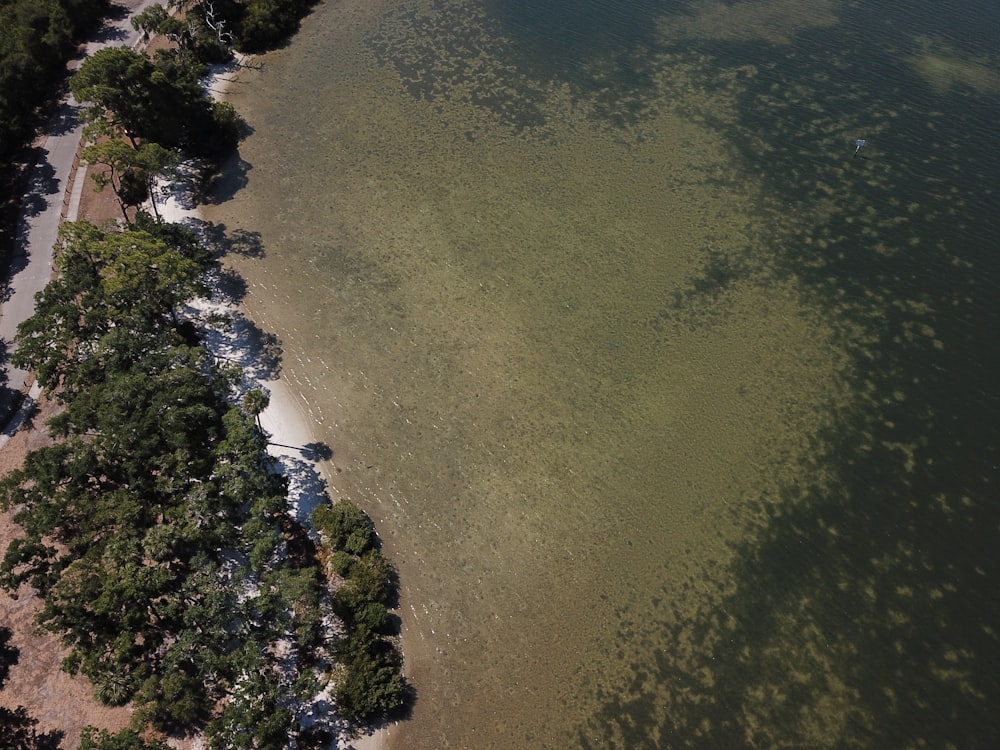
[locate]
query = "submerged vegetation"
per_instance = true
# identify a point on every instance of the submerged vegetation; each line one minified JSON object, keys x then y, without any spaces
{"x":156,"y":524}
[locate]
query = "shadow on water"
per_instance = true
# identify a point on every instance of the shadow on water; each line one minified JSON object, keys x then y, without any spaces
{"x":223,"y":185}
{"x":317,"y":451}
{"x":353,"y":735}
{"x":310,"y":451}
{"x":242,"y":242}
{"x":228,"y":286}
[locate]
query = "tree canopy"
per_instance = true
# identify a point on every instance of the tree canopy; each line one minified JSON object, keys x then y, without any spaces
{"x":130,"y":170}
{"x":248,"y":25}
{"x":115,"y":296}
{"x":127,"y":739}
{"x":155,"y":524}
{"x":369,"y":681}
{"x":160,"y":101}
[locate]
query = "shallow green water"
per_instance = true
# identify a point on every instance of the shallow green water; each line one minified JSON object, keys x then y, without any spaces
{"x":676,"y":420}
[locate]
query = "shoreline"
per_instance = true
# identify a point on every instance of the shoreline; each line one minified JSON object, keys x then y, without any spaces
{"x":291,"y":438}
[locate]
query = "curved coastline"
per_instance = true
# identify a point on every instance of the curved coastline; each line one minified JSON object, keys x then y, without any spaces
{"x":415,"y":327}
{"x":293,"y":440}
{"x":526,"y":331}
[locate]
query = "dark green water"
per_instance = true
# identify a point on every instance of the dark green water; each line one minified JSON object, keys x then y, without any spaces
{"x":679,"y":422}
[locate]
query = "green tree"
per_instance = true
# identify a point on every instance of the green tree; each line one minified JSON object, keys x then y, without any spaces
{"x":369,"y":684}
{"x":156,"y":20}
{"x":255,"y":402}
{"x":253,"y":718}
{"x":159,"y":101}
{"x":345,"y":526}
{"x":130,"y":171}
{"x":176,"y":700}
{"x":179,"y":237}
{"x":37,"y":38}
{"x":191,"y":33}
{"x":109,"y":281}
{"x":118,"y":84}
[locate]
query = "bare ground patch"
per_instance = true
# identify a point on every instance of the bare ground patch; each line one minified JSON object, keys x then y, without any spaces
{"x":59,"y":702}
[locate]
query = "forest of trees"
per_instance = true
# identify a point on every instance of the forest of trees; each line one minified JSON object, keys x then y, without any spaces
{"x":155,"y":525}
{"x":245,"y":25}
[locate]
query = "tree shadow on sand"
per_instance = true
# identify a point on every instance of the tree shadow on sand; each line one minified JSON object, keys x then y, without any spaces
{"x":17,"y":726}
{"x":240,"y":341}
{"x":9,"y":654}
{"x":307,"y":489}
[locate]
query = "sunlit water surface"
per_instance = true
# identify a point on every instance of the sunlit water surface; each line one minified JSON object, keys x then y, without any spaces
{"x":679,"y":423}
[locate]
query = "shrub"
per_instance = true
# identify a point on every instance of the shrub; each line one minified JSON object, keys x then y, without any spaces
{"x":345,"y":527}
{"x":370,"y":686}
{"x":342,"y":562}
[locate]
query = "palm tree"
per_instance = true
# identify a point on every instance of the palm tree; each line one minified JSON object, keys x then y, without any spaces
{"x":254,"y":402}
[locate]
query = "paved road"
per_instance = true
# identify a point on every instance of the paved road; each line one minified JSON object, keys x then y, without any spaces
{"x":38,"y":225}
